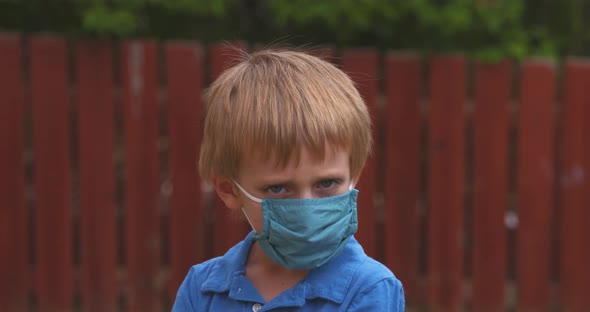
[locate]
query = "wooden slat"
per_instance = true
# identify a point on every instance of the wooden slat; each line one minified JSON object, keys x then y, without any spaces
{"x":226,"y":230}
{"x":13,"y":216}
{"x":50,"y":100}
{"x":586,"y":215}
{"x":402,"y":123}
{"x":142,"y":197}
{"x":446,"y":170}
{"x":187,"y":225}
{"x":575,"y":226}
{"x":490,"y":174}
{"x":535,"y":184}
{"x":361,"y":66}
{"x":94,"y":72}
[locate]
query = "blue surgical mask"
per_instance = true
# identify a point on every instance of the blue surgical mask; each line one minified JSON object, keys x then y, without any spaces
{"x":305,"y":233}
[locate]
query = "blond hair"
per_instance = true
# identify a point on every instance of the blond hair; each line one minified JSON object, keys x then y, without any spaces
{"x":275,"y":102}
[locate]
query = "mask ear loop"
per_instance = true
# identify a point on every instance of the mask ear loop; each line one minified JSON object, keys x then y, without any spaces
{"x":252,"y":198}
{"x":248,"y":219}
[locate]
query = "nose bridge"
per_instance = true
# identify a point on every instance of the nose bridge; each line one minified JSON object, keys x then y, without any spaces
{"x":306,"y":193}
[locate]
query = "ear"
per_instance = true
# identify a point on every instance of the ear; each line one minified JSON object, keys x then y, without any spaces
{"x":227,"y":192}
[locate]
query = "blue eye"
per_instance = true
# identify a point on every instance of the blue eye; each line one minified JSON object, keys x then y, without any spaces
{"x":327,"y":183}
{"x":276,"y":189}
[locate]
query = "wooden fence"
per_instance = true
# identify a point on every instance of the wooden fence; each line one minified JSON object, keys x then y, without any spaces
{"x":103,"y":210}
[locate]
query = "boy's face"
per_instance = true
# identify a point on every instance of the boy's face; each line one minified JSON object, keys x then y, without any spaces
{"x":308,"y":178}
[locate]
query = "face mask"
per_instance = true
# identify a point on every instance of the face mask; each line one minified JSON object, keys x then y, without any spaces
{"x":306,"y":233}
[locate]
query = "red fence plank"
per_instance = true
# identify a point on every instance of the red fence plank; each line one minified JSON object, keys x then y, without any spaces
{"x":586,"y":216}
{"x":187,"y":224}
{"x":94,"y":71}
{"x":13,"y":215}
{"x":446,"y":148}
{"x":227,"y":229}
{"x":535,"y":184}
{"x":490,"y":126}
{"x":50,"y":100}
{"x":402,"y":122}
{"x":361,"y":66}
{"x":140,"y":89}
{"x":575,"y":226}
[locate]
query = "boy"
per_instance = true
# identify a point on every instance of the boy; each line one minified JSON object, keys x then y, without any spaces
{"x":285,"y":139}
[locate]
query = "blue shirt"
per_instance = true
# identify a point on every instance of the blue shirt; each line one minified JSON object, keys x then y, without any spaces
{"x":352,"y":281}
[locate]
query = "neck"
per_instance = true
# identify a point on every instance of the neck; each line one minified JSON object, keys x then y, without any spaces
{"x":270,"y":279}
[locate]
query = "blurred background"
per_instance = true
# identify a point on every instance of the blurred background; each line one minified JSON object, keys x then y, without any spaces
{"x":486,"y":29}
{"x":475,"y":197}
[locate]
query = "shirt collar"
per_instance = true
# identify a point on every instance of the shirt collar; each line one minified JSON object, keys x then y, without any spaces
{"x":232,"y":264}
{"x":330,"y":281}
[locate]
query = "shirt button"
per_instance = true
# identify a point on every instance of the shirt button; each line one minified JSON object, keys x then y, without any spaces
{"x":256,"y":307}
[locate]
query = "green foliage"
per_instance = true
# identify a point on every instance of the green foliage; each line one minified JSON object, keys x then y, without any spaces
{"x":344,"y":18}
{"x":487,"y":30}
{"x":131,"y":17}
{"x":104,"y":21}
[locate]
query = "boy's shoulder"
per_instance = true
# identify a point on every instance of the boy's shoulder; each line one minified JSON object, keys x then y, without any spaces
{"x":350,"y":274}
{"x":361,"y":266}
{"x":374,"y":287}
{"x":215,"y":274}
{"x":357,"y":282}
{"x":372,"y":270}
